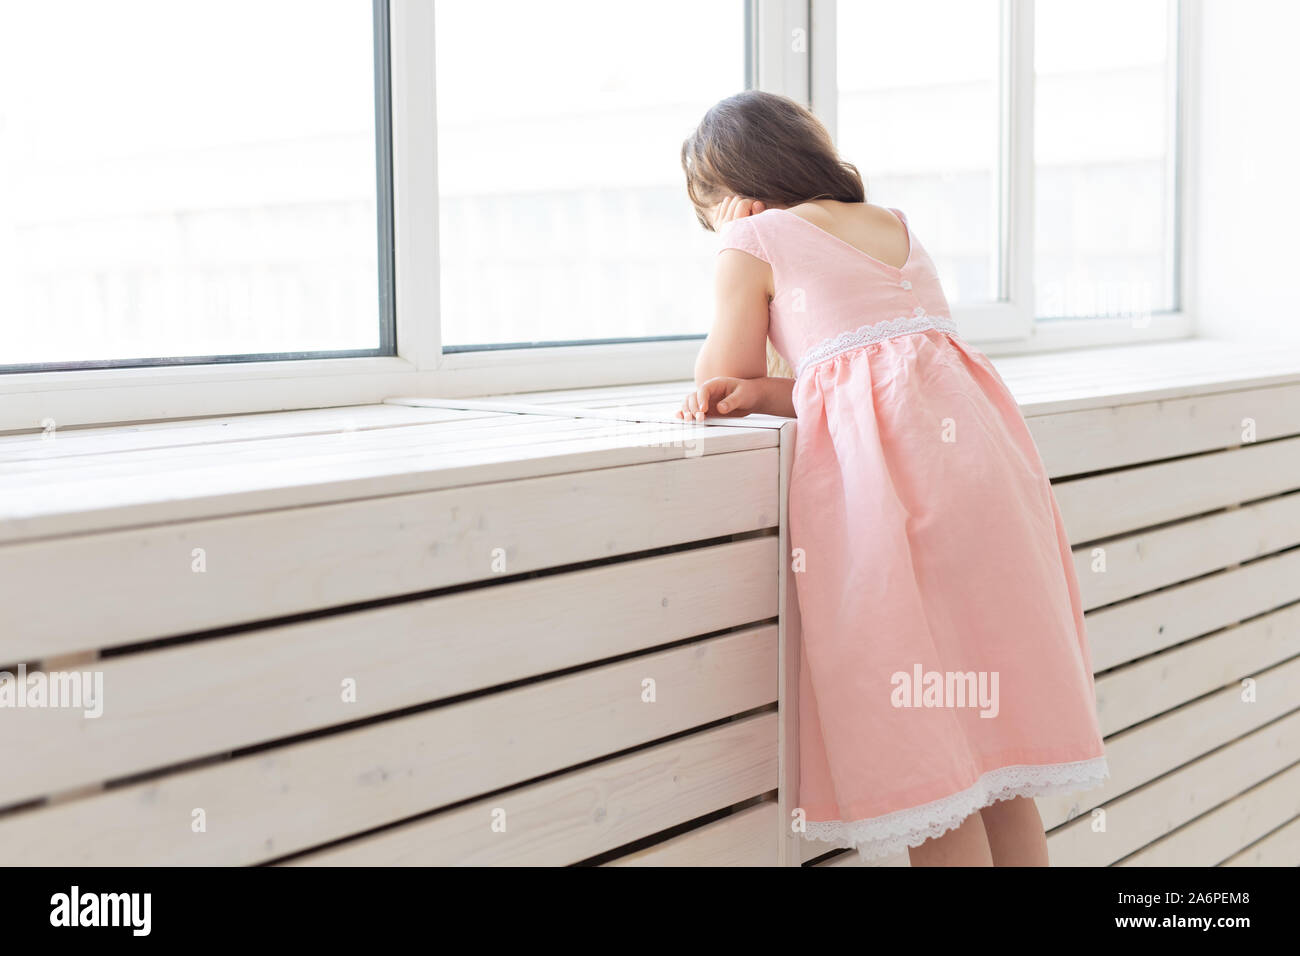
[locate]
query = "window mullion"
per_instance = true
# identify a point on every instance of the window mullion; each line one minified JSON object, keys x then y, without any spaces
{"x":415,"y":183}
{"x":781,"y":45}
{"x":1016,"y":211}
{"x":823,"y":83}
{"x":1178,"y":241}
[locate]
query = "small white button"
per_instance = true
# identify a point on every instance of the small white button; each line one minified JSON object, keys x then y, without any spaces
{"x":906,"y":284}
{"x":918,"y":311}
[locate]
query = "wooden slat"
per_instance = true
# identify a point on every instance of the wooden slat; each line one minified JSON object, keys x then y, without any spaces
{"x":138,"y":584}
{"x":70,"y":474}
{"x":197,"y":699}
{"x":1279,"y":848}
{"x":1216,"y":836}
{"x":1148,"y":560}
{"x":282,"y":474}
{"x":1144,"y":625}
{"x":1138,"y":371}
{"x":1121,"y":501}
{"x":1164,"y":743}
{"x":1131,"y":694}
{"x":1096,"y":439}
{"x":747,"y":838}
{"x":591,"y":811}
{"x":114,"y":439}
{"x":1140,"y":818}
{"x":280,"y":801}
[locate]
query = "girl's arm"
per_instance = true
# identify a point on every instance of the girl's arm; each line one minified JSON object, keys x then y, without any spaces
{"x":737,"y":344}
{"x":731,"y":369}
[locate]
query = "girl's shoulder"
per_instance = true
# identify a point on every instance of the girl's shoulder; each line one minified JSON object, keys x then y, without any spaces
{"x":763,"y":233}
{"x":751,"y":234}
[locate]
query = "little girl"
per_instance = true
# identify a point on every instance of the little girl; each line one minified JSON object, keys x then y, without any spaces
{"x":946,"y":678}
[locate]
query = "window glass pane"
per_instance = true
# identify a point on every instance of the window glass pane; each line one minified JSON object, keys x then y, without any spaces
{"x":563,"y":212}
{"x":919,"y":115}
{"x":191,"y":179}
{"x":1104,"y":189}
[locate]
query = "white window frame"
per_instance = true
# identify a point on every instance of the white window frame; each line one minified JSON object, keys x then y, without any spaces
{"x":803,"y":70}
{"x":1010,"y":326}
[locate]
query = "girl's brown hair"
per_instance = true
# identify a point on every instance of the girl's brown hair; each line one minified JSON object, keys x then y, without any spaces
{"x":765,"y":147}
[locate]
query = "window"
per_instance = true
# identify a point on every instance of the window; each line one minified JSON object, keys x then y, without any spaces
{"x":235,"y":205}
{"x":561,"y":201}
{"x":919,"y":113}
{"x":1105,"y":240}
{"x":1034,"y":144}
{"x":189,"y":182}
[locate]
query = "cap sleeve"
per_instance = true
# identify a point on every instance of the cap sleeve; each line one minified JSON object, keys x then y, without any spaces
{"x":743,"y":234}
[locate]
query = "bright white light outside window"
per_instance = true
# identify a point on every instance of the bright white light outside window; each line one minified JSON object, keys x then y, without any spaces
{"x":189,"y":178}
{"x":1104,"y":191}
{"x":563,"y":210}
{"x":919,"y":114}
{"x":198,"y":179}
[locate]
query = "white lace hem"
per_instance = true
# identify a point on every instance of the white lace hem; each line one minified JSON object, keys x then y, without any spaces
{"x":894,"y":832}
{"x":869,"y":334}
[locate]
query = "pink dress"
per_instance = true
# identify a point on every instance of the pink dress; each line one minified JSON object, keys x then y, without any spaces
{"x":944,"y":660}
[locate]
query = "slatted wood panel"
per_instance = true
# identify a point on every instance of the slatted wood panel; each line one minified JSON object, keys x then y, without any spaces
{"x":1143,"y":625}
{"x":102,"y":492}
{"x":742,"y":839}
{"x":634,"y":550}
{"x":588,"y":812}
{"x":1186,"y":549}
{"x":1096,"y":439}
{"x":1118,"y":501}
{"x":433,"y":674}
{"x":285,"y":562}
{"x":1131,"y":694}
{"x":1146,"y":815}
{"x":1130,"y":565}
{"x":1281,"y":847}
{"x":202,"y":698}
{"x":1177,"y":737}
{"x":1214,"y":837}
{"x":290,"y":798}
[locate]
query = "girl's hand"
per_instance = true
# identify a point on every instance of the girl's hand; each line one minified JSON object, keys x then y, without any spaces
{"x":727,"y":397}
{"x":735,"y":207}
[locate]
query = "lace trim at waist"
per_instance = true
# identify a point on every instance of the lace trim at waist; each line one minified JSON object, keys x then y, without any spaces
{"x":869,"y":334}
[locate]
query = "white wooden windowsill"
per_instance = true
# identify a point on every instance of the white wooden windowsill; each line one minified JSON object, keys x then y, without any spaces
{"x":103,"y":478}
{"x":1043,"y":382}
